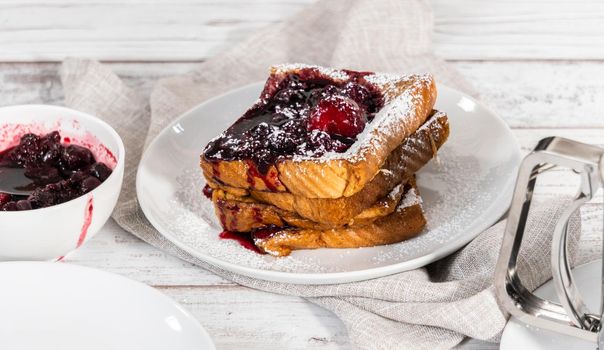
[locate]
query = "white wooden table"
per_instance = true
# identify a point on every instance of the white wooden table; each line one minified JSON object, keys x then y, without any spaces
{"x":538,"y":64}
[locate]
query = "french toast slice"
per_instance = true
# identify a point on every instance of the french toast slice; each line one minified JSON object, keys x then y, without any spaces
{"x":272,"y":148}
{"x":244,"y":214}
{"x":415,"y":151}
{"x":406,"y":221}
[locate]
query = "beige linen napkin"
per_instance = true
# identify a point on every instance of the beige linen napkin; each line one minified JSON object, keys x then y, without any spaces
{"x":428,"y":308}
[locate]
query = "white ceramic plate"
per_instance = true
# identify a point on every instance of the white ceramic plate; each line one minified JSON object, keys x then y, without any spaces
{"x":467,"y":193}
{"x":518,"y":335}
{"x":68,"y":307}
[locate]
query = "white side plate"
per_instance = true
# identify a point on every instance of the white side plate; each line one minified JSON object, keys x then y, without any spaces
{"x":465,"y":194}
{"x":518,"y":335}
{"x":69,"y":307}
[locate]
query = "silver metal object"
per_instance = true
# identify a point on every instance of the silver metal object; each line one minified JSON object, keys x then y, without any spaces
{"x":14,"y":181}
{"x":571,"y":316}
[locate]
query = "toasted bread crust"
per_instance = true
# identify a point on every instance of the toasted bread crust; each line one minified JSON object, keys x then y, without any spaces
{"x":405,"y":222}
{"x":244,"y":214}
{"x":408,"y":102}
{"x":399,"y":167}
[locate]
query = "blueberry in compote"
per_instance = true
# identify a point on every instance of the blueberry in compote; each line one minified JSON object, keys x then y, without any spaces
{"x":43,"y":197}
{"x":10,"y":206}
{"x":59,"y":173}
{"x":23,"y":204}
{"x":207,"y":191}
{"x":100,"y":171}
{"x":89,"y":184}
{"x":43,"y":175}
{"x":358,"y":93}
{"x":76,"y":157}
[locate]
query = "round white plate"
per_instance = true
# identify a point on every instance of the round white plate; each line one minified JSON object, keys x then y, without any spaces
{"x":518,"y":335}
{"x":465,"y":194}
{"x":68,"y":307}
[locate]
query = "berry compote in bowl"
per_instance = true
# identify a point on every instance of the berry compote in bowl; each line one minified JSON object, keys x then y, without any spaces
{"x":73,"y":166}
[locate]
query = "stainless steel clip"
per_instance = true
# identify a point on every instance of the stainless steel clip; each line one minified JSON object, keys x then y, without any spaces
{"x":571,"y":316}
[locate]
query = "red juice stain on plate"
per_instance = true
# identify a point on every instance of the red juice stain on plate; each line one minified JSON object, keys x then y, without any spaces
{"x":244,"y":239}
{"x":66,"y":140}
{"x":87,"y":221}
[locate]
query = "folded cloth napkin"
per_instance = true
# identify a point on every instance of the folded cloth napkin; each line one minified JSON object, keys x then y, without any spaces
{"x":429,"y":308}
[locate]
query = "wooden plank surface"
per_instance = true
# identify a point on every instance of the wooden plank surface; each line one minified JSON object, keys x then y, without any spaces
{"x":185,"y":30}
{"x":236,"y":317}
{"x":156,"y":30}
{"x":537,"y":99}
{"x":512,"y":29}
{"x":562,"y":94}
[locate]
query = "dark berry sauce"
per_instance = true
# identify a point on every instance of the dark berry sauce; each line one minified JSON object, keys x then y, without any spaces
{"x":207,"y":191}
{"x":246,"y":239}
{"x":58,"y":172}
{"x":270,"y":179}
{"x":306,"y":114}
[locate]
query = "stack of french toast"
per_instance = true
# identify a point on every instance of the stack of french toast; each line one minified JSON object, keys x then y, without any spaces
{"x":326,"y":158}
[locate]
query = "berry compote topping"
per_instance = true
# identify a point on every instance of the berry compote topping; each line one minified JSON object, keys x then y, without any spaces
{"x":246,"y":239}
{"x":338,"y":115}
{"x":306,"y":114}
{"x":59,"y":173}
{"x":207,"y":191}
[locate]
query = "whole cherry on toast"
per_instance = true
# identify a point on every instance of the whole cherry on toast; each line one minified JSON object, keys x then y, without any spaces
{"x":338,"y":115}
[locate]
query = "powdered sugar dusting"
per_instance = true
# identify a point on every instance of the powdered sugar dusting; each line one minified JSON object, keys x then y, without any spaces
{"x":460,"y":198}
{"x":452,"y":196}
{"x":387,"y":122}
{"x":195,"y":225}
{"x":398,"y":105}
{"x":335,"y":74}
{"x":395,"y":192}
{"x":411,"y":198}
{"x":385,"y":79}
{"x":304,"y":113}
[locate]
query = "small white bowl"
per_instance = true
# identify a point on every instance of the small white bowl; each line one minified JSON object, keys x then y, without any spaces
{"x":50,"y":233}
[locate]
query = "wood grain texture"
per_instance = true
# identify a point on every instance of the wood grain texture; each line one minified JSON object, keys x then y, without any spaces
{"x":112,"y":30}
{"x":233,"y":315}
{"x":238,"y":318}
{"x":562,"y":94}
{"x":537,"y":99}
{"x":512,"y":29}
{"x":185,"y":30}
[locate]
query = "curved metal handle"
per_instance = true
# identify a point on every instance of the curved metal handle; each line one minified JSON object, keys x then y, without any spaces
{"x":567,"y":291}
{"x":512,"y":295}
